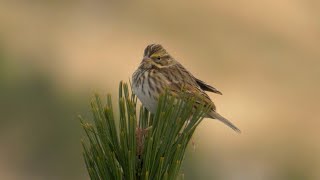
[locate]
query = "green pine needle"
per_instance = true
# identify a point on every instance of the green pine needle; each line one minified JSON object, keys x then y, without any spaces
{"x":143,"y":145}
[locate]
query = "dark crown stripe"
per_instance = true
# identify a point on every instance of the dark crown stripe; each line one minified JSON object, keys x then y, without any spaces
{"x":152,"y":48}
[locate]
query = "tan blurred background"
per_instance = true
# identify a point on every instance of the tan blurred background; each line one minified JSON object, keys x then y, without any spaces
{"x":263,"y":55}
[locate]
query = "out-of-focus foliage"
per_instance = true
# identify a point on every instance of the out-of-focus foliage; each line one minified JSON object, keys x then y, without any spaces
{"x":39,"y":130}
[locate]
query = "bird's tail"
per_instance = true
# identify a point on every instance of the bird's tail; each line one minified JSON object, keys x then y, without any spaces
{"x":215,"y":115}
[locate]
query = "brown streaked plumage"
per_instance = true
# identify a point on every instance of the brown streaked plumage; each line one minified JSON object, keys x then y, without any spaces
{"x":158,"y":71}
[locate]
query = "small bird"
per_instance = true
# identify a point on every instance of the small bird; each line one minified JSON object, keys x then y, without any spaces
{"x":159,"y":71}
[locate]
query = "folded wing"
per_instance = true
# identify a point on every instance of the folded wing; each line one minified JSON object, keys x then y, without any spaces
{"x":206,"y":87}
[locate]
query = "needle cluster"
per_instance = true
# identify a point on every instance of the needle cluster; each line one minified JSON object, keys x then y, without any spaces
{"x":137,"y":144}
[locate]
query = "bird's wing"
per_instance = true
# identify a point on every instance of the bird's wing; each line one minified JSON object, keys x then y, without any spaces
{"x":201,"y":98}
{"x":206,"y":87}
{"x":188,"y":84}
{"x":194,"y":88}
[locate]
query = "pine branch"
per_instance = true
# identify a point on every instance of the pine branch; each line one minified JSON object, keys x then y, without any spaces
{"x":142,"y":146}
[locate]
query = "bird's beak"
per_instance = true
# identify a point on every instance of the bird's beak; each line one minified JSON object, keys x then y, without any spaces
{"x":146,"y":60}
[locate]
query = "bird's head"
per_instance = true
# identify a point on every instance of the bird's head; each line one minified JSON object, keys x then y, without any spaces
{"x":156,"y":56}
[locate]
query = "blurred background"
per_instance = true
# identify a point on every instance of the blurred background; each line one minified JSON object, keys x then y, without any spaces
{"x":263,"y":55}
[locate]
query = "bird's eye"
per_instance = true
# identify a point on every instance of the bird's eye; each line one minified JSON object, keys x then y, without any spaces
{"x":156,"y":57}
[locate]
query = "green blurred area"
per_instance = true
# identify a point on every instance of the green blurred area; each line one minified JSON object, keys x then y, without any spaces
{"x":39,"y":128}
{"x":263,"y":55}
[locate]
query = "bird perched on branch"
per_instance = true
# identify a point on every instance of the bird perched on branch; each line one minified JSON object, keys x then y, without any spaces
{"x":159,"y":71}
